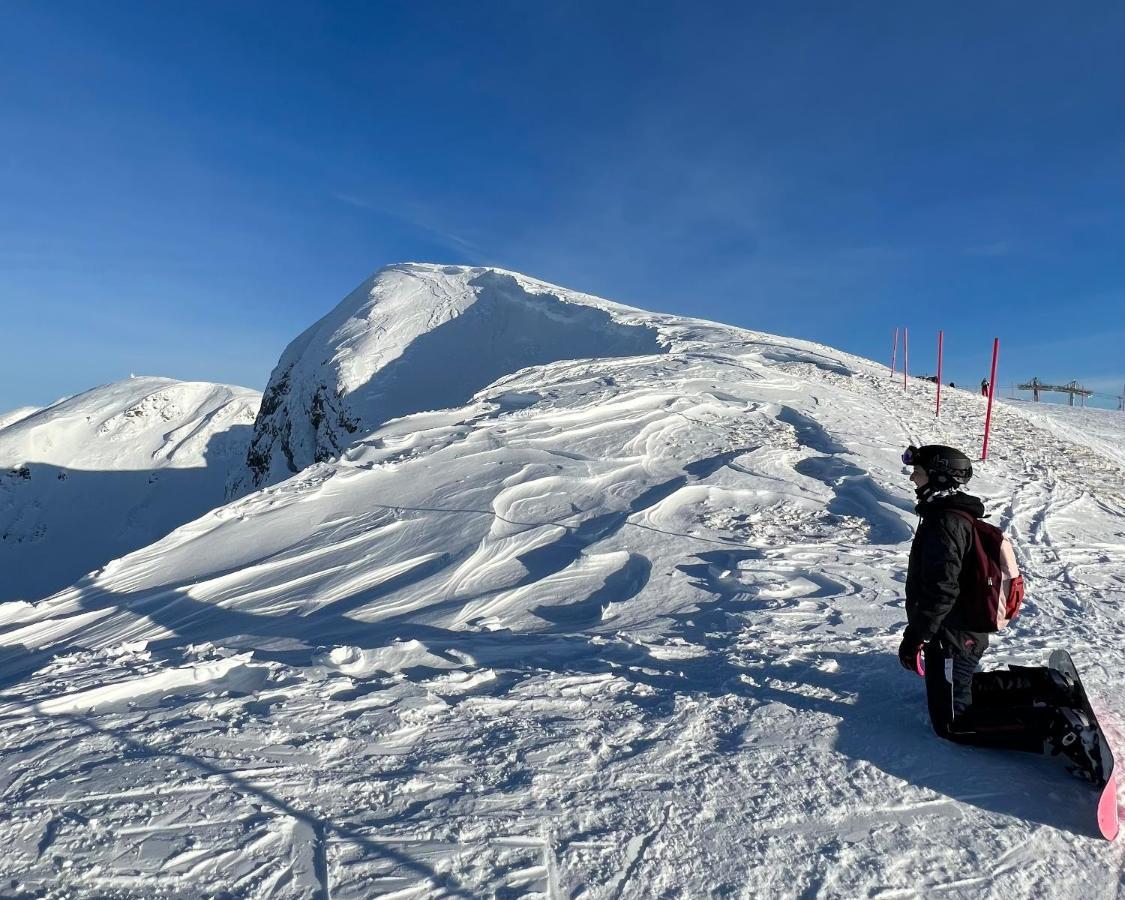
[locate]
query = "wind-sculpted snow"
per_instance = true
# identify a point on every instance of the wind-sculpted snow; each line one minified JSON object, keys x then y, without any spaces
{"x":420,"y":337}
{"x":13,"y":416}
{"x":618,"y":627}
{"x":96,"y":476}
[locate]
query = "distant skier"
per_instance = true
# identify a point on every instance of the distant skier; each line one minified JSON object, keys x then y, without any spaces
{"x":1023,"y":708}
{"x":984,"y":387}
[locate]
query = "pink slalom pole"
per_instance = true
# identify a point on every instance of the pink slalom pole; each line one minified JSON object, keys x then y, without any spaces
{"x":991,"y":391}
{"x":894,"y":354}
{"x":905,"y":354}
{"x":940,"y":335}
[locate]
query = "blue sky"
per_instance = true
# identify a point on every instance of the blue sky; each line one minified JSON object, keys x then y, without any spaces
{"x":185,"y":187}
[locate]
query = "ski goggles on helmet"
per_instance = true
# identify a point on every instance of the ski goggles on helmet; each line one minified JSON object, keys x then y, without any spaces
{"x":911,"y":457}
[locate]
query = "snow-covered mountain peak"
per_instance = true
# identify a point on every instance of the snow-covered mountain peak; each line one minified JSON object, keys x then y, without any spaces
{"x":109,"y":470}
{"x":142,"y":422}
{"x":416,"y":337}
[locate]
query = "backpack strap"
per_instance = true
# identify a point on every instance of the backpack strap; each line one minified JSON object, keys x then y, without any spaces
{"x":975,"y":550}
{"x":972,"y":520}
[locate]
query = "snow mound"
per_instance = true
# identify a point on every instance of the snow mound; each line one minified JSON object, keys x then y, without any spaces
{"x":418,"y":337}
{"x":234,"y":673}
{"x":359,"y":663}
{"x":100,"y":474}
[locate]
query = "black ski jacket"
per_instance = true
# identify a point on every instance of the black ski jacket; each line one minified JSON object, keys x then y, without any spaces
{"x":940,"y":551}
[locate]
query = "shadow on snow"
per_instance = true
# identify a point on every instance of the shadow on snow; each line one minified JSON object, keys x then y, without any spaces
{"x":881,"y":712}
{"x":58,"y":523}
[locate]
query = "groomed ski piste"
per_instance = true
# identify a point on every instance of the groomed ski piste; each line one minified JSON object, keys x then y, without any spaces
{"x":620,"y":626}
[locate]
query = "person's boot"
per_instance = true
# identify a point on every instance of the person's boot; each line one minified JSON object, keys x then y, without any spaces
{"x":1024,"y":686}
{"x":1051,"y":686}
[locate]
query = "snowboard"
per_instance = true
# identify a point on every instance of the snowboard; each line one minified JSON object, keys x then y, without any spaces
{"x":1101,"y":773}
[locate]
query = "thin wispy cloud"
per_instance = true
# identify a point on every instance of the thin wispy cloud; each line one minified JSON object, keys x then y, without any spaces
{"x":453,"y":241}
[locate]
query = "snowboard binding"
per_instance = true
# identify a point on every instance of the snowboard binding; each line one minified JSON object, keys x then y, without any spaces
{"x":1074,"y":736}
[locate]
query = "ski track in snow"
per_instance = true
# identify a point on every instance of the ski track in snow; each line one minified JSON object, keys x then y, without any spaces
{"x":619,"y":628}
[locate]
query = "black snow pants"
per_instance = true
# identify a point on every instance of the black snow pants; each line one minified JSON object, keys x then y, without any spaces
{"x":980,"y":708}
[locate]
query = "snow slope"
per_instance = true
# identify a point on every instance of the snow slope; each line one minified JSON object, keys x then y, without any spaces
{"x":1099,"y":429}
{"x":95,"y":476}
{"x":385,"y":351}
{"x":615,"y":627}
{"x":10,"y":418}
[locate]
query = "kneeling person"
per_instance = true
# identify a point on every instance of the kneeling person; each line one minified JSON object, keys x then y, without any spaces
{"x":1018,"y":709}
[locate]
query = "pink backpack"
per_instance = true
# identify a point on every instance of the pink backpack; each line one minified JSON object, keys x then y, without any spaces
{"x":996,"y":585}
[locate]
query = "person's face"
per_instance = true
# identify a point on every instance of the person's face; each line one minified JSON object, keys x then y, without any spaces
{"x":918,"y":477}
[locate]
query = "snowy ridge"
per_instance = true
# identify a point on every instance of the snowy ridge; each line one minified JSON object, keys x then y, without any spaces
{"x":95,"y":476}
{"x":614,"y":627}
{"x":385,"y":350}
{"x":10,"y":418}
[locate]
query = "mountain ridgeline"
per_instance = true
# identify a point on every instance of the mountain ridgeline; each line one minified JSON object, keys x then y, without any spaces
{"x":414,"y":338}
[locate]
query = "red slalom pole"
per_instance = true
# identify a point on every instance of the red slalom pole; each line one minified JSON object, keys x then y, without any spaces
{"x":937,"y":411}
{"x":905,"y":354}
{"x":991,"y":391}
{"x":894,"y":354}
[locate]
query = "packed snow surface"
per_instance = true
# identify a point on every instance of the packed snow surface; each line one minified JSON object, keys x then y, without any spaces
{"x":92,"y":477}
{"x":616,"y":626}
{"x":1098,"y":429}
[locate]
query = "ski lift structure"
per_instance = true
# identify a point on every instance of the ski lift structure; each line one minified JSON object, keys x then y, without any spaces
{"x":1072,"y":389}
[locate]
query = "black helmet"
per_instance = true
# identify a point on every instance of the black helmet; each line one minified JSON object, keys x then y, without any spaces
{"x":944,"y":465}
